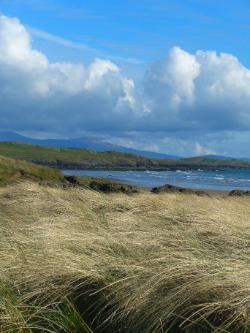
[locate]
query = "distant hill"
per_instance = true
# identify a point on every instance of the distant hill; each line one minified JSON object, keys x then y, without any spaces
{"x":79,"y":158}
{"x":220,"y":157}
{"x":86,"y":143}
{"x":226,"y":158}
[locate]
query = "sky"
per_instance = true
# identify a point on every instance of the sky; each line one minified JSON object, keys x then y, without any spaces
{"x":167,"y":76}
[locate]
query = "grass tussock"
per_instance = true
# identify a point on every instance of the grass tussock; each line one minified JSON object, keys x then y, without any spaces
{"x":80,"y":261}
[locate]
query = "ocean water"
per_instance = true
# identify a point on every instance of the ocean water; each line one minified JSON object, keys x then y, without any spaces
{"x":225,"y":180}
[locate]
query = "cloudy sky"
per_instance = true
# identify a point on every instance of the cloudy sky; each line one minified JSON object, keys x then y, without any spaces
{"x":168,"y":76}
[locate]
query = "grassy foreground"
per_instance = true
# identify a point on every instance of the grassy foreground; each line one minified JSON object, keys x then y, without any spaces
{"x":75,"y":260}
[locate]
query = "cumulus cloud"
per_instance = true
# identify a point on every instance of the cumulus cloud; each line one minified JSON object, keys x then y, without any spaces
{"x":183,"y":93}
{"x":205,"y":90}
{"x":201,"y":150}
{"x":41,"y":94}
{"x":176,"y":76}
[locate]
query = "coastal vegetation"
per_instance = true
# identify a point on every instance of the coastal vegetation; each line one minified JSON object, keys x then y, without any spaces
{"x":74,"y":259}
{"x":76,"y":158}
{"x":14,"y":170}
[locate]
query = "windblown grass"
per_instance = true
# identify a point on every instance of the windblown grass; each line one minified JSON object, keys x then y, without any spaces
{"x":76,"y":260}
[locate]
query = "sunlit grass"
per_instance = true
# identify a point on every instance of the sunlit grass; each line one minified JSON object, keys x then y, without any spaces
{"x":74,"y":260}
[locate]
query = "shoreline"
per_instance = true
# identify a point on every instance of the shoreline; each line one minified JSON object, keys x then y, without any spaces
{"x":153,"y":165}
{"x":112,"y":186}
{"x":181,"y":186}
{"x":141,"y":169}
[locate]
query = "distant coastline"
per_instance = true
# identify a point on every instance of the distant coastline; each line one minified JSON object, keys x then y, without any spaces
{"x":66,"y":165}
{"x":84,"y":159}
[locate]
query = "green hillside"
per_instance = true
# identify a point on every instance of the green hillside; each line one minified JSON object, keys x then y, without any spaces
{"x":210,"y":161}
{"x":12,"y":170}
{"x":51,"y":154}
{"x":74,"y":158}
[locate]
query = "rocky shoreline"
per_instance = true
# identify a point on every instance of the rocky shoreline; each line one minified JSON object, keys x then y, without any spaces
{"x":108,"y":186}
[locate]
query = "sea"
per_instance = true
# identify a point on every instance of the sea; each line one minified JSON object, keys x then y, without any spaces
{"x":218,"y":180}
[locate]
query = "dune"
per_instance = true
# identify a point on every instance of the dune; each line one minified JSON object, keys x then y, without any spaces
{"x":76,"y":260}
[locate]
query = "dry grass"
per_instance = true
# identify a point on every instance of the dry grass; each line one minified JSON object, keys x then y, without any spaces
{"x":141,"y":263}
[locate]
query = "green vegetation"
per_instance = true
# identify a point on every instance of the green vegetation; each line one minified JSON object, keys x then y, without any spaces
{"x":12,"y":170}
{"x":78,"y":261}
{"x":72,"y":158}
{"x":34,"y":152}
{"x":208,"y":161}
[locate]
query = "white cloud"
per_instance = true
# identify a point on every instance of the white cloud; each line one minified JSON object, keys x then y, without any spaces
{"x":180,"y":72}
{"x":201,"y":150}
{"x":205,"y":90}
{"x":44,"y":78}
{"x":15,"y":48}
{"x":183,"y":93}
{"x":97,"y":72}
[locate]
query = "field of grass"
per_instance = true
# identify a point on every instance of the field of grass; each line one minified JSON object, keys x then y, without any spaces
{"x":78,"y":261}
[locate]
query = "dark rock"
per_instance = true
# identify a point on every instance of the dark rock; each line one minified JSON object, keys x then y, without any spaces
{"x":175,"y":189}
{"x":7,"y":195}
{"x":108,"y":187}
{"x":72,"y":180}
{"x":239,"y":193}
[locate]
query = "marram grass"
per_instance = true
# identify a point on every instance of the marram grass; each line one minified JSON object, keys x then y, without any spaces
{"x":79,"y":261}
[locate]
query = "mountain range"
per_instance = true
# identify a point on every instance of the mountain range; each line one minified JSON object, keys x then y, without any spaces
{"x":84,"y":142}
{"x":98,"y":145}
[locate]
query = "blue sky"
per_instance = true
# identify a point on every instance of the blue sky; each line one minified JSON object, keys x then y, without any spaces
{"x":171,"y":76}
{"x":142,"y":30}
